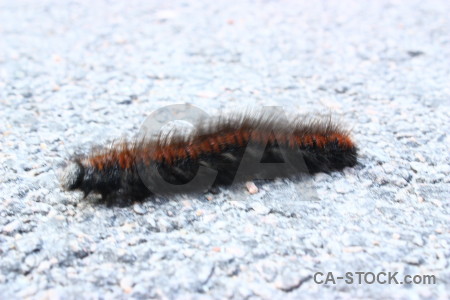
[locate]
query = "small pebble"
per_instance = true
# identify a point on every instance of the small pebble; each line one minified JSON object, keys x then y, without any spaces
{"x":251,"y":187}
{"x":139,"y":209}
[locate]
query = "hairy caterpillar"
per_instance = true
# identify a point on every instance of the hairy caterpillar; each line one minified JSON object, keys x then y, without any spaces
{"x":215,"y":143}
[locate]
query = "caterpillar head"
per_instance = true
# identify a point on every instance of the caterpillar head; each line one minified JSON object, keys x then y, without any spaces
{"x":71,"y":176}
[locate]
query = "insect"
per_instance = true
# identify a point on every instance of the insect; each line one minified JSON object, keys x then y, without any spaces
{"x":126,"y":168}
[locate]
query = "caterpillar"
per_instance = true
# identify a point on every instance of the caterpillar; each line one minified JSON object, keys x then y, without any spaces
{"x":126,"y":169}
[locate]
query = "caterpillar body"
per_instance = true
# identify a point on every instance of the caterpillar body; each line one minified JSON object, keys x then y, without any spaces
{"x":218,"y":144}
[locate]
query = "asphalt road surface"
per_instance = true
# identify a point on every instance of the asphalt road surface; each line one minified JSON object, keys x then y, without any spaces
{"x":81,"y":73}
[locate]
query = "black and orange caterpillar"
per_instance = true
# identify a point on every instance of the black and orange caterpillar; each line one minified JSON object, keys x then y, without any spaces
{"x":218,"y":144}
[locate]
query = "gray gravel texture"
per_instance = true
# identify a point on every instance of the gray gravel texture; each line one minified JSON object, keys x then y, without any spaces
{"x":75,"y":74}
